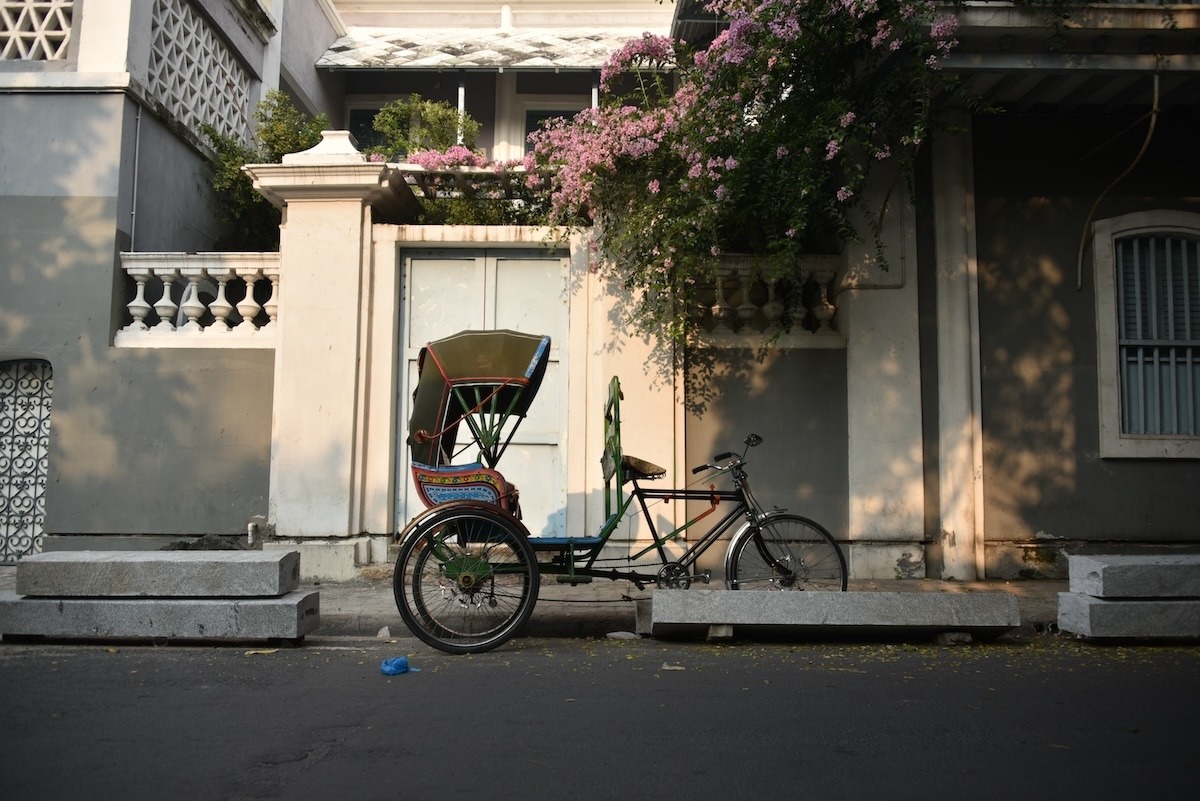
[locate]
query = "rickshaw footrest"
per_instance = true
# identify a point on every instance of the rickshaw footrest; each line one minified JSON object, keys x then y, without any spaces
{"x":573,"y":580}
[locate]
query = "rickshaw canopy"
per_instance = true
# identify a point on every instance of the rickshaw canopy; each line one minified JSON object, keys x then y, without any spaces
{"x":485,"y":379}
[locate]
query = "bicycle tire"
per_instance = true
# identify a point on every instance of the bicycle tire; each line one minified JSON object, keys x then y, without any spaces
{"x":466,"y":579}
{"x":786,"y":552}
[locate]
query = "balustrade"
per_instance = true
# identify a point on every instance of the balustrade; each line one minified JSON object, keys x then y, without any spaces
{"x":743,"y":306}
{"x":192,"y":305}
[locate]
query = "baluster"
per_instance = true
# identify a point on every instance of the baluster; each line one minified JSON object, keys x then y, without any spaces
{"x":746,"y":310}
{"x":138,"y":308}
{"x":823,"y":311}
{"x":190,"y":304}
{"x":272,"y":304}
{"x":165,"y":307}
{"x":248,"y":307}
{"x":221,"y":307}
{"x":772,"y":309}
{"x":722,"y":310}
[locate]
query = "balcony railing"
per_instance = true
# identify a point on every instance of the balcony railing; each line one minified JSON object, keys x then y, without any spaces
{"x":742,"y":308}
{"x":203,"y":300}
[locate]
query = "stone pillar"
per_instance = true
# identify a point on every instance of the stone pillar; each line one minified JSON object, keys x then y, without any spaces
{"x":878,"y":316}
{"x":332,"y":409}
{"x":960,"y":436}
{"x":116,"y":41}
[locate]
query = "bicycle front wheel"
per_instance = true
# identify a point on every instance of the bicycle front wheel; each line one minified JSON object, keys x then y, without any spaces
{"x":787,"y":552}
{"x":466,"y":580}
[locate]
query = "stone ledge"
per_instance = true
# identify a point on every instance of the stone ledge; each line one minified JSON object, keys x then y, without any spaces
{"x":290,"y":617}
{"x":679,"y":612}
{"x":160,"y":574}
{"x":1088,"y":616}
{"x":1135,"y":576}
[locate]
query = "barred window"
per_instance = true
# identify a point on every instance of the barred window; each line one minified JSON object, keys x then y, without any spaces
{"x":1148,"y":326}
{"x":1158,"y":282}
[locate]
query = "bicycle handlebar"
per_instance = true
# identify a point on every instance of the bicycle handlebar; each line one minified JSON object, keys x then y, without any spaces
{"x":752,"y":440}
{"x":720,"y":457}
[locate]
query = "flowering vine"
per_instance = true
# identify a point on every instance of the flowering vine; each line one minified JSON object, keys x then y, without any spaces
{"x":760,"y":142}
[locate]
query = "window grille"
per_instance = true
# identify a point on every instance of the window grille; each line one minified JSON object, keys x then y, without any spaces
{"x":1158,"y":297}
{"x":194,"y":75}
{"x":26,"y":388}
{"x":35,"y":30}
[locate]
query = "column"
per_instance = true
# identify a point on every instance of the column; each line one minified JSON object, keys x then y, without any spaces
{"x":960,"y":448}
{"x":332,"y":411}
{"x":877,"y":313}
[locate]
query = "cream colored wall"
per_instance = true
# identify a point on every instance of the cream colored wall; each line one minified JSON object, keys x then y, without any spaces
{"x":877,"y":313}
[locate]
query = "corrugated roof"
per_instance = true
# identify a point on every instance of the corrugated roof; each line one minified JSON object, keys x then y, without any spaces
{"x":582,"y":48}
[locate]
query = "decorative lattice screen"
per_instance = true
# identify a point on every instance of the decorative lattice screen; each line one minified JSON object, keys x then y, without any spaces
{"x":26,"y":388}
{"x":193,"y":73}
{"x":35,"y":30}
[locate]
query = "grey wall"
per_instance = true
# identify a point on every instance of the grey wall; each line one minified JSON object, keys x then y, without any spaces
{"x":1043,"y":476}
{"x":306,"y":35}
{"x":167,"y":179}
{"x":142,"y":441}
{"x":796,"y":401}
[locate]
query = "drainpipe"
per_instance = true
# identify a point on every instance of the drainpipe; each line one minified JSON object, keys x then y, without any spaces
{"x":137,"y":149}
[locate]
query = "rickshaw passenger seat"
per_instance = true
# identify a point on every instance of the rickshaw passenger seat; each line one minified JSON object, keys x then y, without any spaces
{"x":469,"y":482}
{"x":633,"y":468}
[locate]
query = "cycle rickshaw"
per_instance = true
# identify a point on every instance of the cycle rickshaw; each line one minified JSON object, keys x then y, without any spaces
{"x":468,"y":571}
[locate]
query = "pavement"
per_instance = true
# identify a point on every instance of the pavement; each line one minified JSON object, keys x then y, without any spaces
{"x":365,"y":607}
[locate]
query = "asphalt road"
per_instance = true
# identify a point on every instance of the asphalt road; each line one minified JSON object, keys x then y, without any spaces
{"x":596,"y":719}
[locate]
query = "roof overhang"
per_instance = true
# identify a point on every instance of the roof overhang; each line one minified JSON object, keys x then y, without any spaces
{"x":1104,"y":57}
{"x":477,"y":49}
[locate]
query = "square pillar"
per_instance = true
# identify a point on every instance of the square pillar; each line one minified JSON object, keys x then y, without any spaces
{"x":879,"y":317}
{"x":960,"y":428}
{"x":325,"y":476}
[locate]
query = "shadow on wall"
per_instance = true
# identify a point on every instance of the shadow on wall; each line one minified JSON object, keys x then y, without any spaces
{"x":795,"y":399}
{"x":143,"y":441}
{"x":1030,"y":349}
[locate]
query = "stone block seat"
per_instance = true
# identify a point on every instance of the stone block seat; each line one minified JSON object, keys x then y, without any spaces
{"x":680,"y":613}
{"x":160,"y":595}
{"x":1134,"y":596}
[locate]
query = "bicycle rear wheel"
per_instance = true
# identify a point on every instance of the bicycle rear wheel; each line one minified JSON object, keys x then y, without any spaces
{"x":466,"y":579}
{"x":786,"y":552}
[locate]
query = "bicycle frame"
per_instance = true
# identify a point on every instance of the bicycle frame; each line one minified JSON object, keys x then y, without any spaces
{"x":576,"y":559}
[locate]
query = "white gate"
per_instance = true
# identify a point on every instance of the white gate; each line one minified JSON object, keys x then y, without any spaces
{"x":447,"y":291}
{"x":25,"y":392}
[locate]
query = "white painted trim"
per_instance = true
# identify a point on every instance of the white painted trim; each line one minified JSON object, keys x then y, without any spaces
{"x":331,"y":14}
{"x":792,"y":340}
{"x":1113,"y":443}
{"x":46,"y":81}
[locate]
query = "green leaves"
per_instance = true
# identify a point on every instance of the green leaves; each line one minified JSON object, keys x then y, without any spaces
{"x":766,"y":146}
{"x":414,"y":124}
{"x":251,"y":222}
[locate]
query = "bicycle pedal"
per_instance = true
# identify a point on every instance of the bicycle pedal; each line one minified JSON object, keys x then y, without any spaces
{"x":705,"y":576}
{"x":573,"y":580}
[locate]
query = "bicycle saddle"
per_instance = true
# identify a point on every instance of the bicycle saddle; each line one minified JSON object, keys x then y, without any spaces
{"x":636,"y":469}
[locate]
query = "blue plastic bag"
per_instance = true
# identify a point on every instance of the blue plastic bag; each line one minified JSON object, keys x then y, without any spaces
{"x":394,"y":666}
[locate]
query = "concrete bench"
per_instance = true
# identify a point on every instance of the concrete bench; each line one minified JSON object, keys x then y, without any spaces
{"x":288,"y":617}
{"x":719,"y":612}
{"x":198,"y":574}
{"x":207,"y":595}
{"x":1131,"y":596}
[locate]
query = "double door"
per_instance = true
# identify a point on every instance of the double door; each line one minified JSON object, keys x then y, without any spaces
{"x":452,"y":290}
